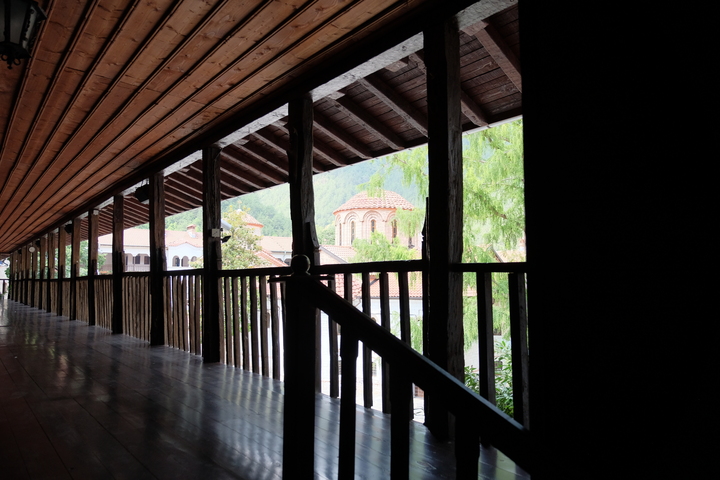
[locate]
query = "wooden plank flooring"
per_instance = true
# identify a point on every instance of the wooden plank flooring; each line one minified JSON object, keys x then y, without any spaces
{"x":77,"y":402}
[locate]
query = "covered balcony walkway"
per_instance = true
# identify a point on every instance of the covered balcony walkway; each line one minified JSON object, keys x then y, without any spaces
{"x":79,"y":402}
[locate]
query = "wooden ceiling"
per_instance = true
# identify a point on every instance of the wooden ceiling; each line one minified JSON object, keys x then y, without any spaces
{"x":117,"y":89}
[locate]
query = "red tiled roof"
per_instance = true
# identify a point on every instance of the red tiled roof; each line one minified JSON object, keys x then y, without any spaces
{"x":388,"y":199}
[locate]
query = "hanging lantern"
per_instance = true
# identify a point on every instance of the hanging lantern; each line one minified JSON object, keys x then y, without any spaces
{"x":19,"y":20}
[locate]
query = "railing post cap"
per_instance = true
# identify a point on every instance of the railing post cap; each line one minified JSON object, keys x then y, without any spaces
{"x":300,"y":265}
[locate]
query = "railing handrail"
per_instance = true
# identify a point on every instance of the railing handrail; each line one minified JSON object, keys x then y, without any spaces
{"x":496,"y":427}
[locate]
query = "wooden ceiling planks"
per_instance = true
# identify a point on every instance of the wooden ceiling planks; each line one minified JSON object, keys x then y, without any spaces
{"x":135,"y":81}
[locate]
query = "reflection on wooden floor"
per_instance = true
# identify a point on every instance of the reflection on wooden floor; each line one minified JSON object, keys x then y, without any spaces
{"x":79,"y":402}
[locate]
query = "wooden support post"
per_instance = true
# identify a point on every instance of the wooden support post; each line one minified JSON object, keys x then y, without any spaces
{"x":92,"y":262}
{"x":299,"y":402}
{"x":33,"y":273}
{"x":41,"y":303}
{"x":518,"y":334}
{"x":74,"y":267}
{"x":51,"y":244}
{"x":302,"y":196}
{"x":212,"y":255}
{"x":62,"y":261}
{"x":486,"y":345}
{"x":118,"y":262}
{"x":25,"y":272}
{"x":445,"y":328}
{"x":158,"y":262}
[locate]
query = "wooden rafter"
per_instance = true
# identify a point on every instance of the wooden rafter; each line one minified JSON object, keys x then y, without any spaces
{"x":411,"y":115}
{"x":498,"y":49}
{"x":369,"y":123}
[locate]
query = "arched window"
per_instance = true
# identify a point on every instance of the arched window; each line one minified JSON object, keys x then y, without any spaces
{"x":137,"y":259}
{"x":185,"y":262}
{"x":193,"y":259}
{"x":147,"y":259}
{"x":352,"y":232}
{"x":176,"y":261}
{"x":373,"y":226}
{"x":339,"y":240}
{"x":394,"y":229}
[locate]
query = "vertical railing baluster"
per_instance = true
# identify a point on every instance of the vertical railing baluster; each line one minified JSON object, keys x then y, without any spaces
{"x":191,"y":311}
{"x":197,"y":306}
{"x":264,"y":326}
{"x":467,"y":447}
{"x":184,"y":314}
{"x":385,"y":323}
{"x":254,"y":326}
{"x":333,"y":350}
{"x":244,"y":317}
{"x":236,"y":323}
{"x":348,"y":405}
{"x":518,"y":334}
{"x":401,"y":397}
{"x":227,"y":299}
{"x":367,"y":353}
{"x":486,"y":350}
{"x":275,"y":329}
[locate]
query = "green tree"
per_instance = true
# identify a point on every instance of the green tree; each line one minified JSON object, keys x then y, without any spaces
{"x":493,"y":202}
{"x":379,"y":249}
{"x":240,"y":250}
{"x":84,"y":249}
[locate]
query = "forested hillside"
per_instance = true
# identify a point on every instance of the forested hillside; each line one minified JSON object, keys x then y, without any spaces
{"x":271,"y":207}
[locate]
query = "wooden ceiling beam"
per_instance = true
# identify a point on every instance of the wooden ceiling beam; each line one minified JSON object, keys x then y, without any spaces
{"x":230,"y":168}
{"x":499,"y":50}
{"x":279,"y":144}
{"x":405,"y":109}
{"x":341,"y":136}
{"x":320,"y":149}
{"x":369,"y":123}
{"x":469,"y":107}
{"x":249,"y":158}
{"x":174,"y":188}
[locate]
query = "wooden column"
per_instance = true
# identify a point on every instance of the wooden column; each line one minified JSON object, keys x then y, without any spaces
{"x":62,"y":243}
{"x":74,"y":266}
{"x":42,"y":299}
{"x":92,"y":262}
{"x":301,"y":352}
{"x":302,"y":196}
{"x":33,"y":273}
{"x":212,"y":254}
{"x":118,"y":262}
{"x":26,"y":275}
{"x":51,"y":269}
{"x":158,"y":263}
{"x":445,"y":328}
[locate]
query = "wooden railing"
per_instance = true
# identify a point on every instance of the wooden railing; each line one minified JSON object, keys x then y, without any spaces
{"x":515,"y":276}
{"x":136,"y":305}
{"x":183,"y":308}
{"x":103,"y":301}
{"x":475,"y":415}
{"x":252,"y":310}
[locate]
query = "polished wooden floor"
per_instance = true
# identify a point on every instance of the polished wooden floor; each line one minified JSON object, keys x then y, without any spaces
{"x":78,"y":402}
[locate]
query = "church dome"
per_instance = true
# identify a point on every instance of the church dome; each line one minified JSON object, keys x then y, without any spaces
{"x":388,"y":199}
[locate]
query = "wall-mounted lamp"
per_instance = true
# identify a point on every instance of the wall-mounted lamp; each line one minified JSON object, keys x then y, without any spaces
{"x":31,"y":249}
{"x":19,"y":20}
{"x":226,"y":238}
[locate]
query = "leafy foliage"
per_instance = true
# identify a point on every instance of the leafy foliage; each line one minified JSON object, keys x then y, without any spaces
{"x":493,"y":204}
{"x":239,"y":251}
{"x":380,"y":249}
{"x":503,"y":378}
